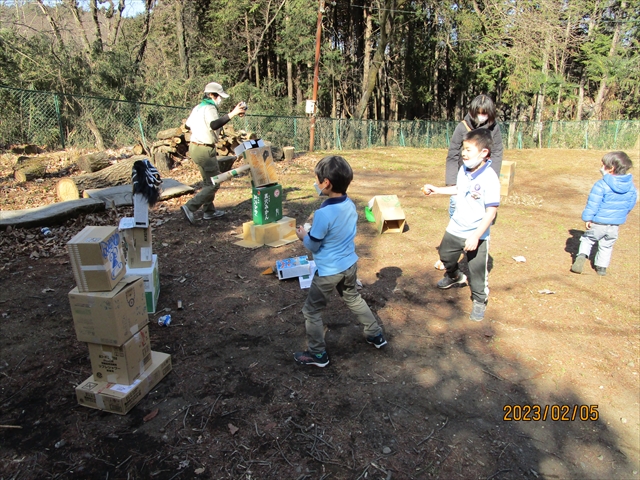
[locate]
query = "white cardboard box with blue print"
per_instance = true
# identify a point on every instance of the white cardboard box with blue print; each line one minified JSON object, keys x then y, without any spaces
{"x":97,"y":259}
{"x":388,"y":214}
{"x":293,"y":267}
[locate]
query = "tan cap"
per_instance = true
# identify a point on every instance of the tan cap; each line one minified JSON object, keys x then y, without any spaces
{"x":214,"y":87}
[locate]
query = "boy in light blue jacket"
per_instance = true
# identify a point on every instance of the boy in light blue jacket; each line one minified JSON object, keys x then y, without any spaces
{"x":331,"y":240}
{"x":610,"y":201}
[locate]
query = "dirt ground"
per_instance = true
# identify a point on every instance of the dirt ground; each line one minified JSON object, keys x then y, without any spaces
{"x":431,"y":404}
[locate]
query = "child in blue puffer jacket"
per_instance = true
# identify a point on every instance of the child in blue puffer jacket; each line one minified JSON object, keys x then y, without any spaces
{"x":610,"y":201}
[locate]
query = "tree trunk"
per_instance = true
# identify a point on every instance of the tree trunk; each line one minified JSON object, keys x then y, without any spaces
{"x":368,"y":32}
{"x":604,"y":88}
{"x":290,"y":82}
{"x":182,"y":45}
{"x":378,"y":58}
{"x":119,"y":174}
{"x":29,"y":168}
{"x":91,"y":124}
{"x":97,"y":43}
{"x":93,"y":162}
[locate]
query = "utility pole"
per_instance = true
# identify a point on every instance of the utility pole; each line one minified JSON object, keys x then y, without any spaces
{"x":316,"y":73}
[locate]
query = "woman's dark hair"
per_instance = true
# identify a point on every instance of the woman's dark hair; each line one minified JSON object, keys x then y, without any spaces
{"x":483,"y":104}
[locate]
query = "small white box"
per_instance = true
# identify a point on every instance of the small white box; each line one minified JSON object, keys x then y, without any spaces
{"x":305,"y":280}
{"x":151,"y":280}
{"x":140,"y":210}
{"x":293,"y":267}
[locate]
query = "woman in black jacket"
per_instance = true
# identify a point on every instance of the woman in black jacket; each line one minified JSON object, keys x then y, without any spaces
{"x":482,"y":114}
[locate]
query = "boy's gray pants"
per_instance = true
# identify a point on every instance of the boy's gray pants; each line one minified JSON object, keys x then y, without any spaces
{"x":321,"y":288}
{"x":606,"y":236}
{"x":450,"y":249}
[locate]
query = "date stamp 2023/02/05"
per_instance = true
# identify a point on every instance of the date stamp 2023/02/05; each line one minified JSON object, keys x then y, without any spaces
{"x":556,"y":413}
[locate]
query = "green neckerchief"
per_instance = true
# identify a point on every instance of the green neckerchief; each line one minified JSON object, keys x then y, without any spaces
{"x":208,"y":101}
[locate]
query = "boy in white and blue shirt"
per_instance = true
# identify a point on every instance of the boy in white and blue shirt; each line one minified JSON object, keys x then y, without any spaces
{"x":331,"y":240}
{"x":478,"y":191}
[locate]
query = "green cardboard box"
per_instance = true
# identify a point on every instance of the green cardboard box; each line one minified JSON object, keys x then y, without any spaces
{"x":266,"y":204}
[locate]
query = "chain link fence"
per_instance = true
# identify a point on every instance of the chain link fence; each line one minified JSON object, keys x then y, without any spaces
{"x":60,"y":120}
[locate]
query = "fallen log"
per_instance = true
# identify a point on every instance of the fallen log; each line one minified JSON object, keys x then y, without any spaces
{"x":71,"y":188}
{"x":93,"y":162}
{"x":49,"y":215}
{"x":29,"y":168}
{"x":169,"y":133}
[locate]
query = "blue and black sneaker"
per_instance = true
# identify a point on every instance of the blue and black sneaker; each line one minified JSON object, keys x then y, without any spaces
{"x":378,"y":341}
{"x":306,"y":358}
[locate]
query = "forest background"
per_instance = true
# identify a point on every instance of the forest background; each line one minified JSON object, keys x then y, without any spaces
{"x":384,"y":60}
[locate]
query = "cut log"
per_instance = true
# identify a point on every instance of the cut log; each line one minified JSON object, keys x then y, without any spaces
{"x":93,"y":162}
{"x":163,"y":161}
{"x":288,"y":153}
{"x":170,"y":132}
{"x":70,"y":188}
{"x":30,"y":168}
{"x":138,"y":150}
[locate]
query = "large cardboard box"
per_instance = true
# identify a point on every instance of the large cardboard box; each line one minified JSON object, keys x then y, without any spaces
{"x":137,"y":242}
{"x":123,"y":364}
{"x":263,"y":169}
{"x":97,"y":259}
{"x":110,"y":318}
{"x":118,"y":398}
{"x":388,"y":213}
{"x":266,"y":204}
{"x":507,"y":177}
{"x":293,"y":267}
{"x":151,"y":279}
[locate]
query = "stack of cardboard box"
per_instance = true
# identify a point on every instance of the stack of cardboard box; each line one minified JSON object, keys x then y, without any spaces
{"x":109,"y":310}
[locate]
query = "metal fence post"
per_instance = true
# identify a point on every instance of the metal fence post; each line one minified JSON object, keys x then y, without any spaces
{"x":586,"y":134}
{"x":56,"y":102}
{"x":295,"y":133}
{"x":144,"y":140}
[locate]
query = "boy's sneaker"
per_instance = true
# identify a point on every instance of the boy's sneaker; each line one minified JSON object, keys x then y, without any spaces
{"x":212,"y":215}
{"x":477,"y":313}
{"x":189,"y":214}
{"x":601,"y":270}
{"x":306,"y":358}
{"x":448,"y":282}
{"x":378,"y":341}
{"x":578,"y":264}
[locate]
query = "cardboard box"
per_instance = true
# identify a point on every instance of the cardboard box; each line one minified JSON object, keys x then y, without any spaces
{"x":151,"y":279}
{"x":118,"y":398}
{"x":263,"y":169}
{"x":140,"y":210}
{"x":97,"y":259}
{"x":293,"y":267}
{"x":248,"y":144}
{"x":137,"y":241}
{"x":123,"y":364}
{"x":305,"y":280}
{"x":388,"y":214}
{"x":274,"y":234}
{"x":507,"y":177}
{"x":266,"y":204}
{"x":110,"y":318}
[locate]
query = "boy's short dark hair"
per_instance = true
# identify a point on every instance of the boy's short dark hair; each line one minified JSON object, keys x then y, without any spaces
{"x":481,"y":138}
{"x":620,"y":162}
{"x":337,"y":170}
{"x":483,"y":105}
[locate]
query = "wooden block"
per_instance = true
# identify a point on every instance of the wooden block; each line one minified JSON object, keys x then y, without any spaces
{"x":507,"y":177}
{"x":288,"y":153}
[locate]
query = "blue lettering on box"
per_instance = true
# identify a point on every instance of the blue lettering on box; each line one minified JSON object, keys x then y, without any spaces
{"x":111,"y":252}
